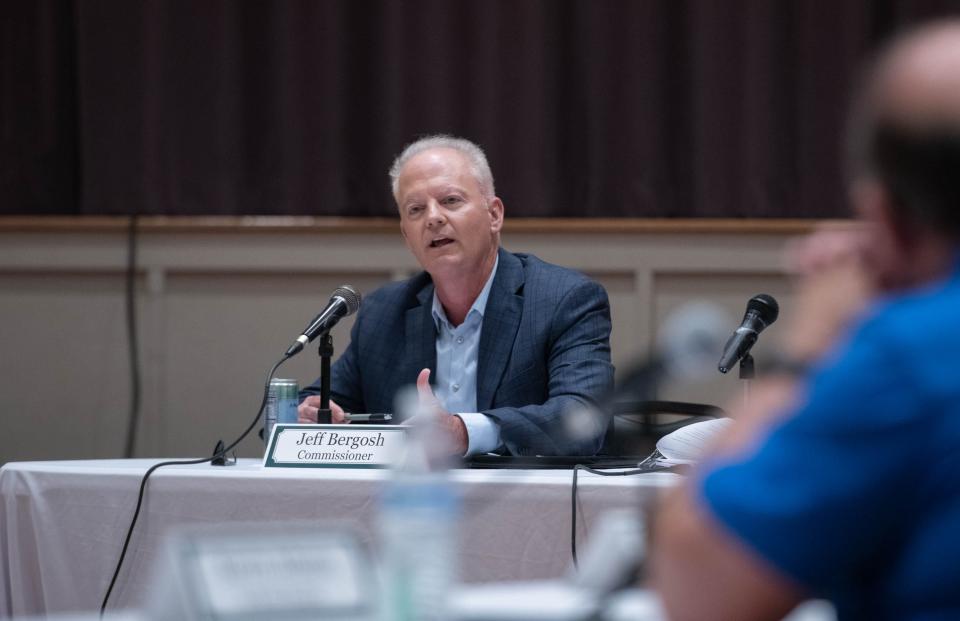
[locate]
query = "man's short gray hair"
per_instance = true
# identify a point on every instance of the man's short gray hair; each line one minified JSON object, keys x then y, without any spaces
{"x":475,"y":156}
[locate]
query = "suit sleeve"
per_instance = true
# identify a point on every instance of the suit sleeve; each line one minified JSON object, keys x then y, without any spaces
{"x":345,"y":385}
{"x":579,"y":373}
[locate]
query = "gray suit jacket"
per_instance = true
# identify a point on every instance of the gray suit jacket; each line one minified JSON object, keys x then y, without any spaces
{"x":544,"y":350}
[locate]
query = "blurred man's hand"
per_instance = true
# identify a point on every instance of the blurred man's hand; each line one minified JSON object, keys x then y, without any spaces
{"x":307,"y":411}
{"x":833,"y":287}
{"x":451,"y":431}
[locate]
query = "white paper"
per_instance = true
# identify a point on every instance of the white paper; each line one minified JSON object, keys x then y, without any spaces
{"x":687,"y":444}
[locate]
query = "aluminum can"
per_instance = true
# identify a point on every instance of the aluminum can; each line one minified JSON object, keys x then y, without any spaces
{"x":281,"y":405}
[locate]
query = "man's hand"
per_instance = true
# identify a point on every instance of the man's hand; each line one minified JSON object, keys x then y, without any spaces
{"x":428,"y":400}
{"x":834,"y":285}
{"x":307,"y":411}
{"x":451,"y":432}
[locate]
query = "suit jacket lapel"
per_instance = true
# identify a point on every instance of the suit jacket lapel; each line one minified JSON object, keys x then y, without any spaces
{"x":421,"y":338}
{"x":501,"y":319}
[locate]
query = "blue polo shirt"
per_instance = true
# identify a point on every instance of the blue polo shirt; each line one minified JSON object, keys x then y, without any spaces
{"x":856,"y":494}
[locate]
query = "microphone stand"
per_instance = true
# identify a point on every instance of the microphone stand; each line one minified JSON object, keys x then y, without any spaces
{"x":747,"y":373}
{"x":325,"y":350}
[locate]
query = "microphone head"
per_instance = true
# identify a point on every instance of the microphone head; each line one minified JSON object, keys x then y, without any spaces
{"x":349,"y":295}
{"x":764,"y":307}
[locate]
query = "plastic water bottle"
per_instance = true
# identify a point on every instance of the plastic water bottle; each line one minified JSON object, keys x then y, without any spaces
{"x":419,"y":515}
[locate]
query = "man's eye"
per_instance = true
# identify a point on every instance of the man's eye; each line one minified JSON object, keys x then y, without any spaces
{"x":414,"y":209}
{"x":450,"y":200}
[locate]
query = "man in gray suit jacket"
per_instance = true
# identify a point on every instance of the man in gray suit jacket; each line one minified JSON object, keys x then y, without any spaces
{"x":514,"y":346}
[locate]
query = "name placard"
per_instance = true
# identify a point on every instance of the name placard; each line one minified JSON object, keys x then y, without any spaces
{"x":241,"y":572}
{"x":334,"y":446}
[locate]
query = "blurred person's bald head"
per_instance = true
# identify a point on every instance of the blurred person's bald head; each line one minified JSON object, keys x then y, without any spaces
{"x":905,"y":154}
{"x":916,"y":82}
{"x":912,"y":86}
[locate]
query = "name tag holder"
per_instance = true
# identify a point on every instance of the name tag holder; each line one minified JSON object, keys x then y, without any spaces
{"x":334,"y":446}
{"x":246,"y":572}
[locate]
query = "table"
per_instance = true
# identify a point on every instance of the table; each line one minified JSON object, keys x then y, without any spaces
{"x":62,"y":523}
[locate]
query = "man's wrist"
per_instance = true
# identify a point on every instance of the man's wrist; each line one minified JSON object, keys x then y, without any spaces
{"x":483,"y":433}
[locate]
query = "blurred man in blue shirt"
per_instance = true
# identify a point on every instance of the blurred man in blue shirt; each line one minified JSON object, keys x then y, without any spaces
{"x":843,"y":482}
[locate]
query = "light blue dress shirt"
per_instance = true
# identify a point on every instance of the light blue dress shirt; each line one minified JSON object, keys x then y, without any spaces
{"x":456,"y":380}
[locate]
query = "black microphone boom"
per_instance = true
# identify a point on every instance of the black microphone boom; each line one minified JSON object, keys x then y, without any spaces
{"x":344,"y":301}
{"x":762,"y":310}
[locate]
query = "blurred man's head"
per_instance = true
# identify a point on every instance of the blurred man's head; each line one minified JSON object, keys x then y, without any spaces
{"x":905,"y":150}
{"x":449,"y":215}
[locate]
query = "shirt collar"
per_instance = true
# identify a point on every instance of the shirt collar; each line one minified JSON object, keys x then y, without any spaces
{"x":479,"y":305}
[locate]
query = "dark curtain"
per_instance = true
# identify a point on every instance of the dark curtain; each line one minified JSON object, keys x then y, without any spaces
{"x":595,"y":108}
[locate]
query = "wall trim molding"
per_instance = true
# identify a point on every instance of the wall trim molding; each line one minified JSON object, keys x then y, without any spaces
{"x":217,"y":296}
{"x":315,"y":225}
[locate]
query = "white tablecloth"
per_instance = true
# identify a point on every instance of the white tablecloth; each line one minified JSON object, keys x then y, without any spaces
{"x":62,"y":523}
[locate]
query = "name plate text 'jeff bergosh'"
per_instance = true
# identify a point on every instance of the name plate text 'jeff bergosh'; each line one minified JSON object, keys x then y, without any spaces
{"x":334,"y":446}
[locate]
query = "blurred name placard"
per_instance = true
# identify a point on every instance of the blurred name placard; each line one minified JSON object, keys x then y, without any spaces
{"x":257,"y":572}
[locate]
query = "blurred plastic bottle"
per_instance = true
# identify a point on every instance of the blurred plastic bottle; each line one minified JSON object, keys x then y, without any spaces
{"x":418,"y":525}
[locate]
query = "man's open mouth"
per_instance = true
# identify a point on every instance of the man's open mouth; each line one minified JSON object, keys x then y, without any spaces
{"x":443,"y":241}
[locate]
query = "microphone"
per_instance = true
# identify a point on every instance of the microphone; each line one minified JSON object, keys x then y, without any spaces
{"x":344,"y":301}
{"x":762,"y":310}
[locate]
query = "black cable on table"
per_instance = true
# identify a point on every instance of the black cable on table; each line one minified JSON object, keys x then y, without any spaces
{"x":185,"y":462}
{"x":573,"y":499}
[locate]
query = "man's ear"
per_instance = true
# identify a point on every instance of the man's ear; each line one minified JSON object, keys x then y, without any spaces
{"x":880,"y":208}
{"x":893,"y":237}
{"x":873,"y":204}
{"x":496,"y":215}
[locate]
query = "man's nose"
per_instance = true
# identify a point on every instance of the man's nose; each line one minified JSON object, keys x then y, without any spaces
{"x":435,"y":216}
